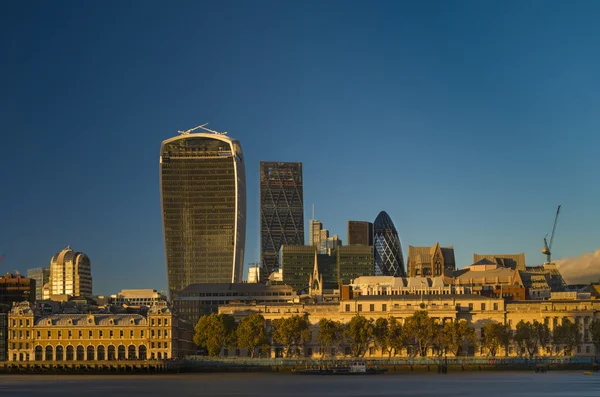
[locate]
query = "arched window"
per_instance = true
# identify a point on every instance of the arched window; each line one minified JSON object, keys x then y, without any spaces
{"x":60,"y":353}
{"x":131,"y":352}
{"x":90,"y":353}
{"x":39,"y":353}
{"x":70,"y":353}
{"x":49,"y":353}
{"x":80,"y":353}
{"x":111,"y":353}
{"x":142,"y":355}
{"x":101,"y":355}
{"x":121,"y":352}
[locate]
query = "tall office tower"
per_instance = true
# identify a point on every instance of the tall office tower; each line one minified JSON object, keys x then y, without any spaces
{"x":70,"y":274}
{"x":314,"y":234}
{"x":354,"y":261}
{"x":388,"y":252}
{"x":281,"y":210}
{"x":203,"y":200}
{"x":360,"y":233}
{"x":41,"y":275}
{"x":329,"y":244}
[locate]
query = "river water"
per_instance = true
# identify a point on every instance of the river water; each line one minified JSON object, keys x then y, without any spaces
{"x":495,"y":384}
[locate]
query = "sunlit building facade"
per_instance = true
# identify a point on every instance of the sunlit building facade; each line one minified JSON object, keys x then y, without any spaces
{"x":203,"y":198}
{"x":70,"y":274}
{"x":389,"y":260}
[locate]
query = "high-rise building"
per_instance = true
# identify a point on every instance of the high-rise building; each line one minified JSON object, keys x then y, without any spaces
{"x":329,"y":244}
{"x":281,"y":210}
{"x":41,"y":275}
{"x":431,"y":261}
{"x":70,"y":274}
{"x":389,"y":260}
{"x":354,"y":261}
{"x":360,"y":233}
{"x":203,"y":198}
{"x":315,"y":228}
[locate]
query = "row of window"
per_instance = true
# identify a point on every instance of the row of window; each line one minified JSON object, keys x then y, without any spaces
{"x":384,"y":307}
{"x":69,"y":334}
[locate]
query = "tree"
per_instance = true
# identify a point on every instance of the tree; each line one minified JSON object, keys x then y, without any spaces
{"x":421,"y":331}
{"x":544,"y":335}
{"x":494,"y":336}
{"x":359,"y":334}
{"x":381,"y":335}
{"x":455,"y":336}
{"x":567,"y":335}
{"x":214,"y":331}
{"x":330,"y":334}
{"x":251,"y":333}
{"x":396,"y":335}
{"x":526,"y":337}
{"x":595,"y":333}
{"x":291,"y":332}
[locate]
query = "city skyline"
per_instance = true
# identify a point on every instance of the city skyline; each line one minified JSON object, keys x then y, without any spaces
{"x":467,"y":124}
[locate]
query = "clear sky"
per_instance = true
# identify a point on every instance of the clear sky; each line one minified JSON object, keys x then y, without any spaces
{"x":468,"y":122}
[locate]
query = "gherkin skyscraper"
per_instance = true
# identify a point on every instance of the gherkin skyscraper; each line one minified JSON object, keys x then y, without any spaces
{"x":203,"y":200}
{"x":389,"y":260}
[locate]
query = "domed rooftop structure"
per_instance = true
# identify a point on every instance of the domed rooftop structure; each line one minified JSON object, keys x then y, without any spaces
{"x":389,"y":260}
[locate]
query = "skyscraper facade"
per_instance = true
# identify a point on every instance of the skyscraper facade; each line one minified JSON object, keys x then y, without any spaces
{"x":70,"y":274}
{"x":360,"y":233}
{"x":281,"y":210}
{"x":315,"y":228}
{"x":389,"y":260}
{"x":203,"y":200}
{"x":41,"y":275}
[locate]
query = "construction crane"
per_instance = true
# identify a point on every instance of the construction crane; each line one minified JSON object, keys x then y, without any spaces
{"x":546,"y":250}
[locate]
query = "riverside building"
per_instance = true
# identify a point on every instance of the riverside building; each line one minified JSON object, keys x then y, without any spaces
{"x":34,"y":336}
{"x":203,"y":201}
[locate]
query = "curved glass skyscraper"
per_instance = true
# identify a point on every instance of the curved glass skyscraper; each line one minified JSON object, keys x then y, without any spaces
{"x":203,"y":200}
{"x":388,"y":252}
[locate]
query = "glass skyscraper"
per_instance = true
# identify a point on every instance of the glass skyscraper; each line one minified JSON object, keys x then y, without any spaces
{"x":388,"y":252}
{"x":281,"y":210}
{"x":203,"y":200}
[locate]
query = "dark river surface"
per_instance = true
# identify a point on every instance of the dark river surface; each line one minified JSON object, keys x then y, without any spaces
{"x":488,"y":384}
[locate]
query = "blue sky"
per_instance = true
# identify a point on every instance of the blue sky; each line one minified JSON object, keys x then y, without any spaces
{"x":468,"y":122}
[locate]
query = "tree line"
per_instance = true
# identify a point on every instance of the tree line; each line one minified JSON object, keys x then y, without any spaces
{"x":418,"y":335}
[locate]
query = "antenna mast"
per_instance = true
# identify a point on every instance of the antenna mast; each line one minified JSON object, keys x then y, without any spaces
{"x":203,"y":127}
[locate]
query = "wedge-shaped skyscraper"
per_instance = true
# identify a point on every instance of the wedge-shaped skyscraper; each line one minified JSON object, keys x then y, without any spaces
{"x":203,"y":199}
{"x":389,"y":260}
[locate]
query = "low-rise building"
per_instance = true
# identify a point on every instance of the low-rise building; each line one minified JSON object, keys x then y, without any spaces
{"x":431,"y":261}
{"x":487,"y":278}
{"x":138,"y":297}
{"x":16,"y":288}
{"x":158,"y":334}
{"x":477,"y":310}
{"x":197,"y":300}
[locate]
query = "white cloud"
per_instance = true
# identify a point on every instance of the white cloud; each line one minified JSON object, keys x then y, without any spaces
{"x":582,"y":269}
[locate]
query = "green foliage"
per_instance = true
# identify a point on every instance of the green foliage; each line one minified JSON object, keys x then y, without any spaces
{"x":291,"y":332}
{"x":330,"y":334}
{"x":495,"y":335}
{"x":455,"y":336}
{"x":251,"y":333}
{"x":544,"y":334}
{"x":359,"y":334}
{"x":526,"y":337}
{"x":566,"y":336}
{"x":595,"y":334}
{"x":421,"y":331}
{"x":396,"y":336}
{"x":214,"y":331}
{"x":381,"y":335}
